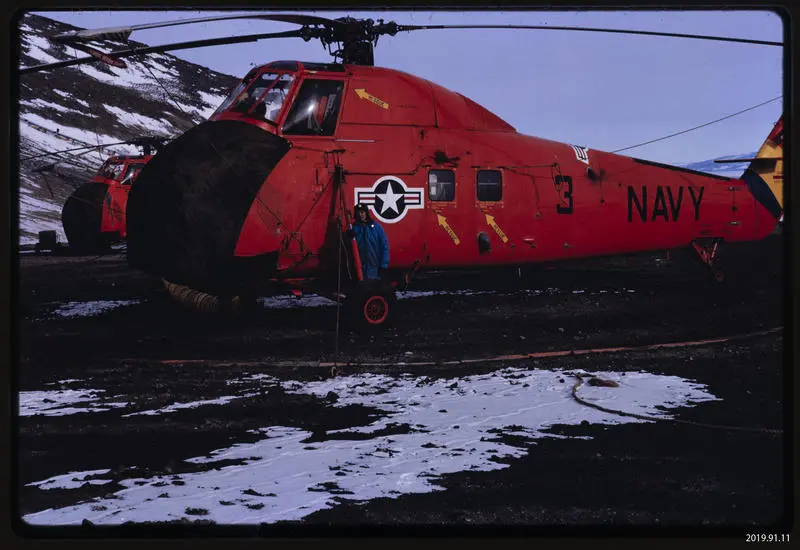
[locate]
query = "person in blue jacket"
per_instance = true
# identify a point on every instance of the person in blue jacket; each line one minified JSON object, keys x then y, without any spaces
{"x":373,"y":246}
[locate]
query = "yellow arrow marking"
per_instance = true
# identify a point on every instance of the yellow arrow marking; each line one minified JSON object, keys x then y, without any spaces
{"x":443,"y":223}
{"x":363,"y":94}
{"x":493,"y":224}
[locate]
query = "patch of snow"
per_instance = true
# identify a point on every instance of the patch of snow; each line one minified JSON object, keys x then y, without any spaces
{"x":43,"y":141}
{"x":191,"y":405}
{"x":37,"y":215}
{"x":140,"y":121}
{"x":72,"y":480}
{"x":38,"y":204}
{"x":91,"y":308}
{"x":283,"y":302}
{"x":66,"y":381}
{"x":252,"y":378}
{"x":84,"y":136}
{"x":452,"y":425}
{"x":59,"y":402}
{"x":130,"y":77}
{"x":190,"y":110}
{"x":212,"y":100}
{"x":49,"y":105}
{"x":36,"y":48}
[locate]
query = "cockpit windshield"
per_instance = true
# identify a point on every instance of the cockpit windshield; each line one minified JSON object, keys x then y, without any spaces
{"x":130,"y":175}
{"x":112,"y":169}
{"x":261,"y":97}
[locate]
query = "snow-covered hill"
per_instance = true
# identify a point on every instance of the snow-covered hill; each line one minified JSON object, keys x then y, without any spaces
{"x":731,"y":170}
{"x":93,"y":104}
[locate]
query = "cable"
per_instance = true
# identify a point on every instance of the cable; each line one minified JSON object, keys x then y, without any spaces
{"x":169,"y":95}
{"x":342,"y":212}
{"x":471,"y":360}
{"x":579,"y":383}
{"x":701,"y":126}
{"x":74,"y":149}
{"x":338,"y":286}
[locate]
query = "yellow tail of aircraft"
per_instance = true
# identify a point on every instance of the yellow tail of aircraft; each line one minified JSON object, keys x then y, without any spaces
{"x":764,"y":175}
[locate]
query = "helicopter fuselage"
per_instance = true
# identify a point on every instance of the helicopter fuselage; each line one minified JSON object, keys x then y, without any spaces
{"x":442,"y":175}
{"x":94,"y":215}
{"x":452,"y":184}
{"x":117,"y":173}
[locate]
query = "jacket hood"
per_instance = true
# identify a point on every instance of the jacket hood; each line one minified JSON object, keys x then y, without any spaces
{"x":365,"y":208}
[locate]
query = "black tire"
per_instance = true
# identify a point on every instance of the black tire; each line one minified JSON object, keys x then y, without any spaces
{"x":370,"y":306}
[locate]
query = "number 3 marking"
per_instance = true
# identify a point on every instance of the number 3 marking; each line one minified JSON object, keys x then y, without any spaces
{"x":565,"y":194}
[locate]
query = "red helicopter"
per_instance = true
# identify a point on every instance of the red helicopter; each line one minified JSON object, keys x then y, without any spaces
{"x":94,"y":214}
{"x":265,"y":189}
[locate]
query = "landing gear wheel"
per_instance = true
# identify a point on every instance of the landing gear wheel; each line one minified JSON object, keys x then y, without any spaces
{"x":245,"y":305}
{"x":376,"y":309}
{"x":371,"y":307}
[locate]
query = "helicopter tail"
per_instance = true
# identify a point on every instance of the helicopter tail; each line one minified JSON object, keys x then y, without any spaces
{"x":764,"y":175}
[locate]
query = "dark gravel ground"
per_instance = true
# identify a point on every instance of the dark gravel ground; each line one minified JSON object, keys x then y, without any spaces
{"x":682,"y":476}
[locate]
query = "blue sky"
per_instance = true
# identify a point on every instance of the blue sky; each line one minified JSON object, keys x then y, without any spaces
{"x":604,"y":91}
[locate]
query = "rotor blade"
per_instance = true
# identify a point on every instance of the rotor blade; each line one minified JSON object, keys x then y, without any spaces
{"x":166,"y":48}
{"x":588,"y":29}
{"x":105,"y":58}
{"x":124,"y":32}
{"x":755,"y":159}
{"x":75,"y":149}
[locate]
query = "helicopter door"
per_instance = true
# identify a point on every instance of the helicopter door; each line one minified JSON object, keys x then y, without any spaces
{"x":490,"y":218}
{"x":446,"y":231}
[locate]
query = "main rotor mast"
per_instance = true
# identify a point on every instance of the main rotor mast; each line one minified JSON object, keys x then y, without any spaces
{"x":354,"y":39}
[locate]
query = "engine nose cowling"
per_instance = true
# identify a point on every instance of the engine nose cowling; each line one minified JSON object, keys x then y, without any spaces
{"x":82,"y":219}
{"x":186,"y":208}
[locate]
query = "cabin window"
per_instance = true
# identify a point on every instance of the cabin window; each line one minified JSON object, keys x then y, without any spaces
{"x":441,"y":185}
{"x":130,"y":175}
{"x":490,"y":185}
{"x":316,"y":109}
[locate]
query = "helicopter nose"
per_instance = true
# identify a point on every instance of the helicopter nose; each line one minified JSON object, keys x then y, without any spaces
{"x":82,"y":218}
{"x":187,"y":207}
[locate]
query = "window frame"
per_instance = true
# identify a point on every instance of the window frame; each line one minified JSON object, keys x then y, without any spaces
{"x":234,"y":93}
{"x":292,"y":99}
{"x":428,"y":185}
{"x":245,"y":84}
{"x":112,"y":166}
{"x":478,"y":185}
{"x":134,"y":166}
{"x":256,"y":102}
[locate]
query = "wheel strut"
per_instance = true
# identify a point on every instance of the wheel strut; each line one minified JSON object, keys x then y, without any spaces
{"x":708,"y":255}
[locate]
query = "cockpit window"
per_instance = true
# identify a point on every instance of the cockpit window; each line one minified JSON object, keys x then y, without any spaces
{"x":235,"y":93}
{"x":316,"y":108}
{"x":261,"y":97}
{"x":112,"y":170}
{"x":130,"y":175}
